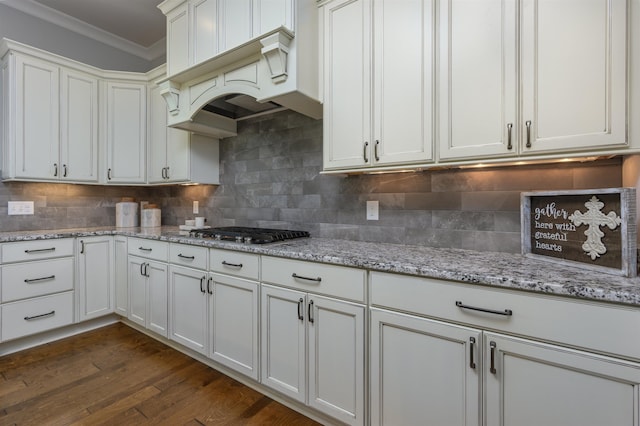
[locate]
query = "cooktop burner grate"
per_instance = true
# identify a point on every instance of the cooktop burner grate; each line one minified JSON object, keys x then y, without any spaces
{"x":248,"y":235}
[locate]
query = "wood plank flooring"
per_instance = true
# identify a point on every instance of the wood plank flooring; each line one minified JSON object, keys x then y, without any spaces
{"x":118,"y":376}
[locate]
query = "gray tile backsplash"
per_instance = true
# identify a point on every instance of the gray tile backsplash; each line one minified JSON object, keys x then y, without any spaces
{"x":270,"y":176}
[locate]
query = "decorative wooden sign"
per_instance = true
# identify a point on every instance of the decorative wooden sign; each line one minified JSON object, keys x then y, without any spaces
{"x":594,"y":229}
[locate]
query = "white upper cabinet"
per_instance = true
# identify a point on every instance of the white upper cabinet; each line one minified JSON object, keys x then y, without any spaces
{"x":50,"y":121}
{"x":197,"y":30}
{"x":387,"y":46}
{"x":79,"y":127}
{"x":126,"y":118}
{"x":478,"y":87}
{"x":574,"y":74}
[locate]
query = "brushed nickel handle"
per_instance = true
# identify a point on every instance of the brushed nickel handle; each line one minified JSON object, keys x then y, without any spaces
{"x":528,"y":124}
{"x":492,"y":367}
{"x":506,"y":312}
{"x":300,"y":314}
{"x":300,"y":277}
{"x":509,"y":129}
{"x":310,"y":311}
{"x":375,"y":150}
{"x":40,"y":250}
{"x":48,"y":314}
{"x":472,"y":343}
{"x":35,"y":280}
{"x":365,"y":148}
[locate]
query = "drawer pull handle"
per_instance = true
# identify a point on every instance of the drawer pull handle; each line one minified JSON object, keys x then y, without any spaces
{"x":202,"y":290}
{"x":472,"y":343}
{"x":506,"y":312}
{"x":300,"y":277}
{"x":35,"y":280}
{"x":233,"y":265}
{"x":186,"y":257}
{"x":300,"y":315}
{"x":40,"y":250}
{"x":209,"y":286}
{"x":81,"y":246}
{"x":144,"y":249}
{"x":528,"y":124}
{"x":492,"y":368}
{"x":509,"y":129}
{"x":310,"y":312}
{"x":48,"y":314}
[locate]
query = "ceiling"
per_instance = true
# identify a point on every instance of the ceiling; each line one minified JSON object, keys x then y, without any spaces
{"x":137,"y":26}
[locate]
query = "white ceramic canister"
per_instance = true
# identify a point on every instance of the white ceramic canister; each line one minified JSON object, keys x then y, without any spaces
{"x":126,"y":213}
{"x":151,"y":216}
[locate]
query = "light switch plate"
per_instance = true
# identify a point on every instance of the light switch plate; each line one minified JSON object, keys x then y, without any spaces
{"x":372,"y":210}
{"x":196,"y":207}
{"x":19,"y":207}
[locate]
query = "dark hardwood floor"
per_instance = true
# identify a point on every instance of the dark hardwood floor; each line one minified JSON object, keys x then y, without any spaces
{"x":118,"y":376}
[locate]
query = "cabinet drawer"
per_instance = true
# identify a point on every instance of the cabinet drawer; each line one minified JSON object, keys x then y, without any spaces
{"x":186,"y":255}
{"x":330,"y":280}
{"x":151,"y":249}
{"x":36,"y":250}
{"x":31,"y":279}
{"x":36,"y":315}
{"x":573,"y":322}
{"x":244,"y":265}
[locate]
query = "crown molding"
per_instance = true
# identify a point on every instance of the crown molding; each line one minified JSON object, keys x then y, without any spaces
{"x":70,"y":23}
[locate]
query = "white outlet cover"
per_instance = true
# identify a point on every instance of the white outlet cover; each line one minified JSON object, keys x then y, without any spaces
{"x":372,"y":210}
{"x":19,"y":208}
{"x":196,"y":207}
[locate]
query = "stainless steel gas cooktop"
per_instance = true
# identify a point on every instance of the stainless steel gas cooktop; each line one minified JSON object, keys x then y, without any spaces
{"x":248,"y":235}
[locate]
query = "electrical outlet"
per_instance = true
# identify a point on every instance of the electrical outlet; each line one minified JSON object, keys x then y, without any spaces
{"x":19,"y":207}
{"x":196,"y":207}
{"x":372,"y":210}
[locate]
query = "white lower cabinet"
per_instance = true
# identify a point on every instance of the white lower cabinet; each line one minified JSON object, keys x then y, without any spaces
{"x":313,"y":345}
{"x":529,"y":383}
{"x":234,"y":319}
{"x":148,"y":294}
{"x":423,"y":371}
{"x":432,"y":371}
{"x":96,"y":283}
{"x":188,"y":307}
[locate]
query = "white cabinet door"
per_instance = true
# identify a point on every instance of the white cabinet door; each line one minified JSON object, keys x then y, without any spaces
{"x":283,"y":341}
{"x":531,"y":383}
{"x":347,"y":84}
{"x":121,"y":275}
{"x":234,"y":318}
{"x":204,"y":18}
{"x":235,"y":23}
{"x":178,"y":39}
{"x":168,"y":150}
{"x":189,"y":302}
{"x":336,"y":358}
{"x":271,"y":14}
{"x":95,"y":277}
{"x":403,"y":52}
{"x":424,"y":372}
{"x":78,"y":127}
{"x":157,"y":304}
{"x":126,"y":132}
{"x":574,"y":74}
{"x":137,"y":291}
{"x":477,"y":84}
{"x":37,"y":109}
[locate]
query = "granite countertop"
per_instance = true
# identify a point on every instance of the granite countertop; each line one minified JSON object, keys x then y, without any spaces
{"x":505,"y":270}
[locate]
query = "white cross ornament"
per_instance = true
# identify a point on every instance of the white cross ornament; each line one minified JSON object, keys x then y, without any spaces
{"x":595,"y":219}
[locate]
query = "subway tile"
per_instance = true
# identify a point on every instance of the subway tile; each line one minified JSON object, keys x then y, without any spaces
{"x":463,"y":220}
{"x":433,"y":201}
{"x":491,"y":201}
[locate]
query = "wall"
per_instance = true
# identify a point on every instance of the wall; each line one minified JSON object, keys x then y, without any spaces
{"x":270,"y":177}
{"x":35,"y":32}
